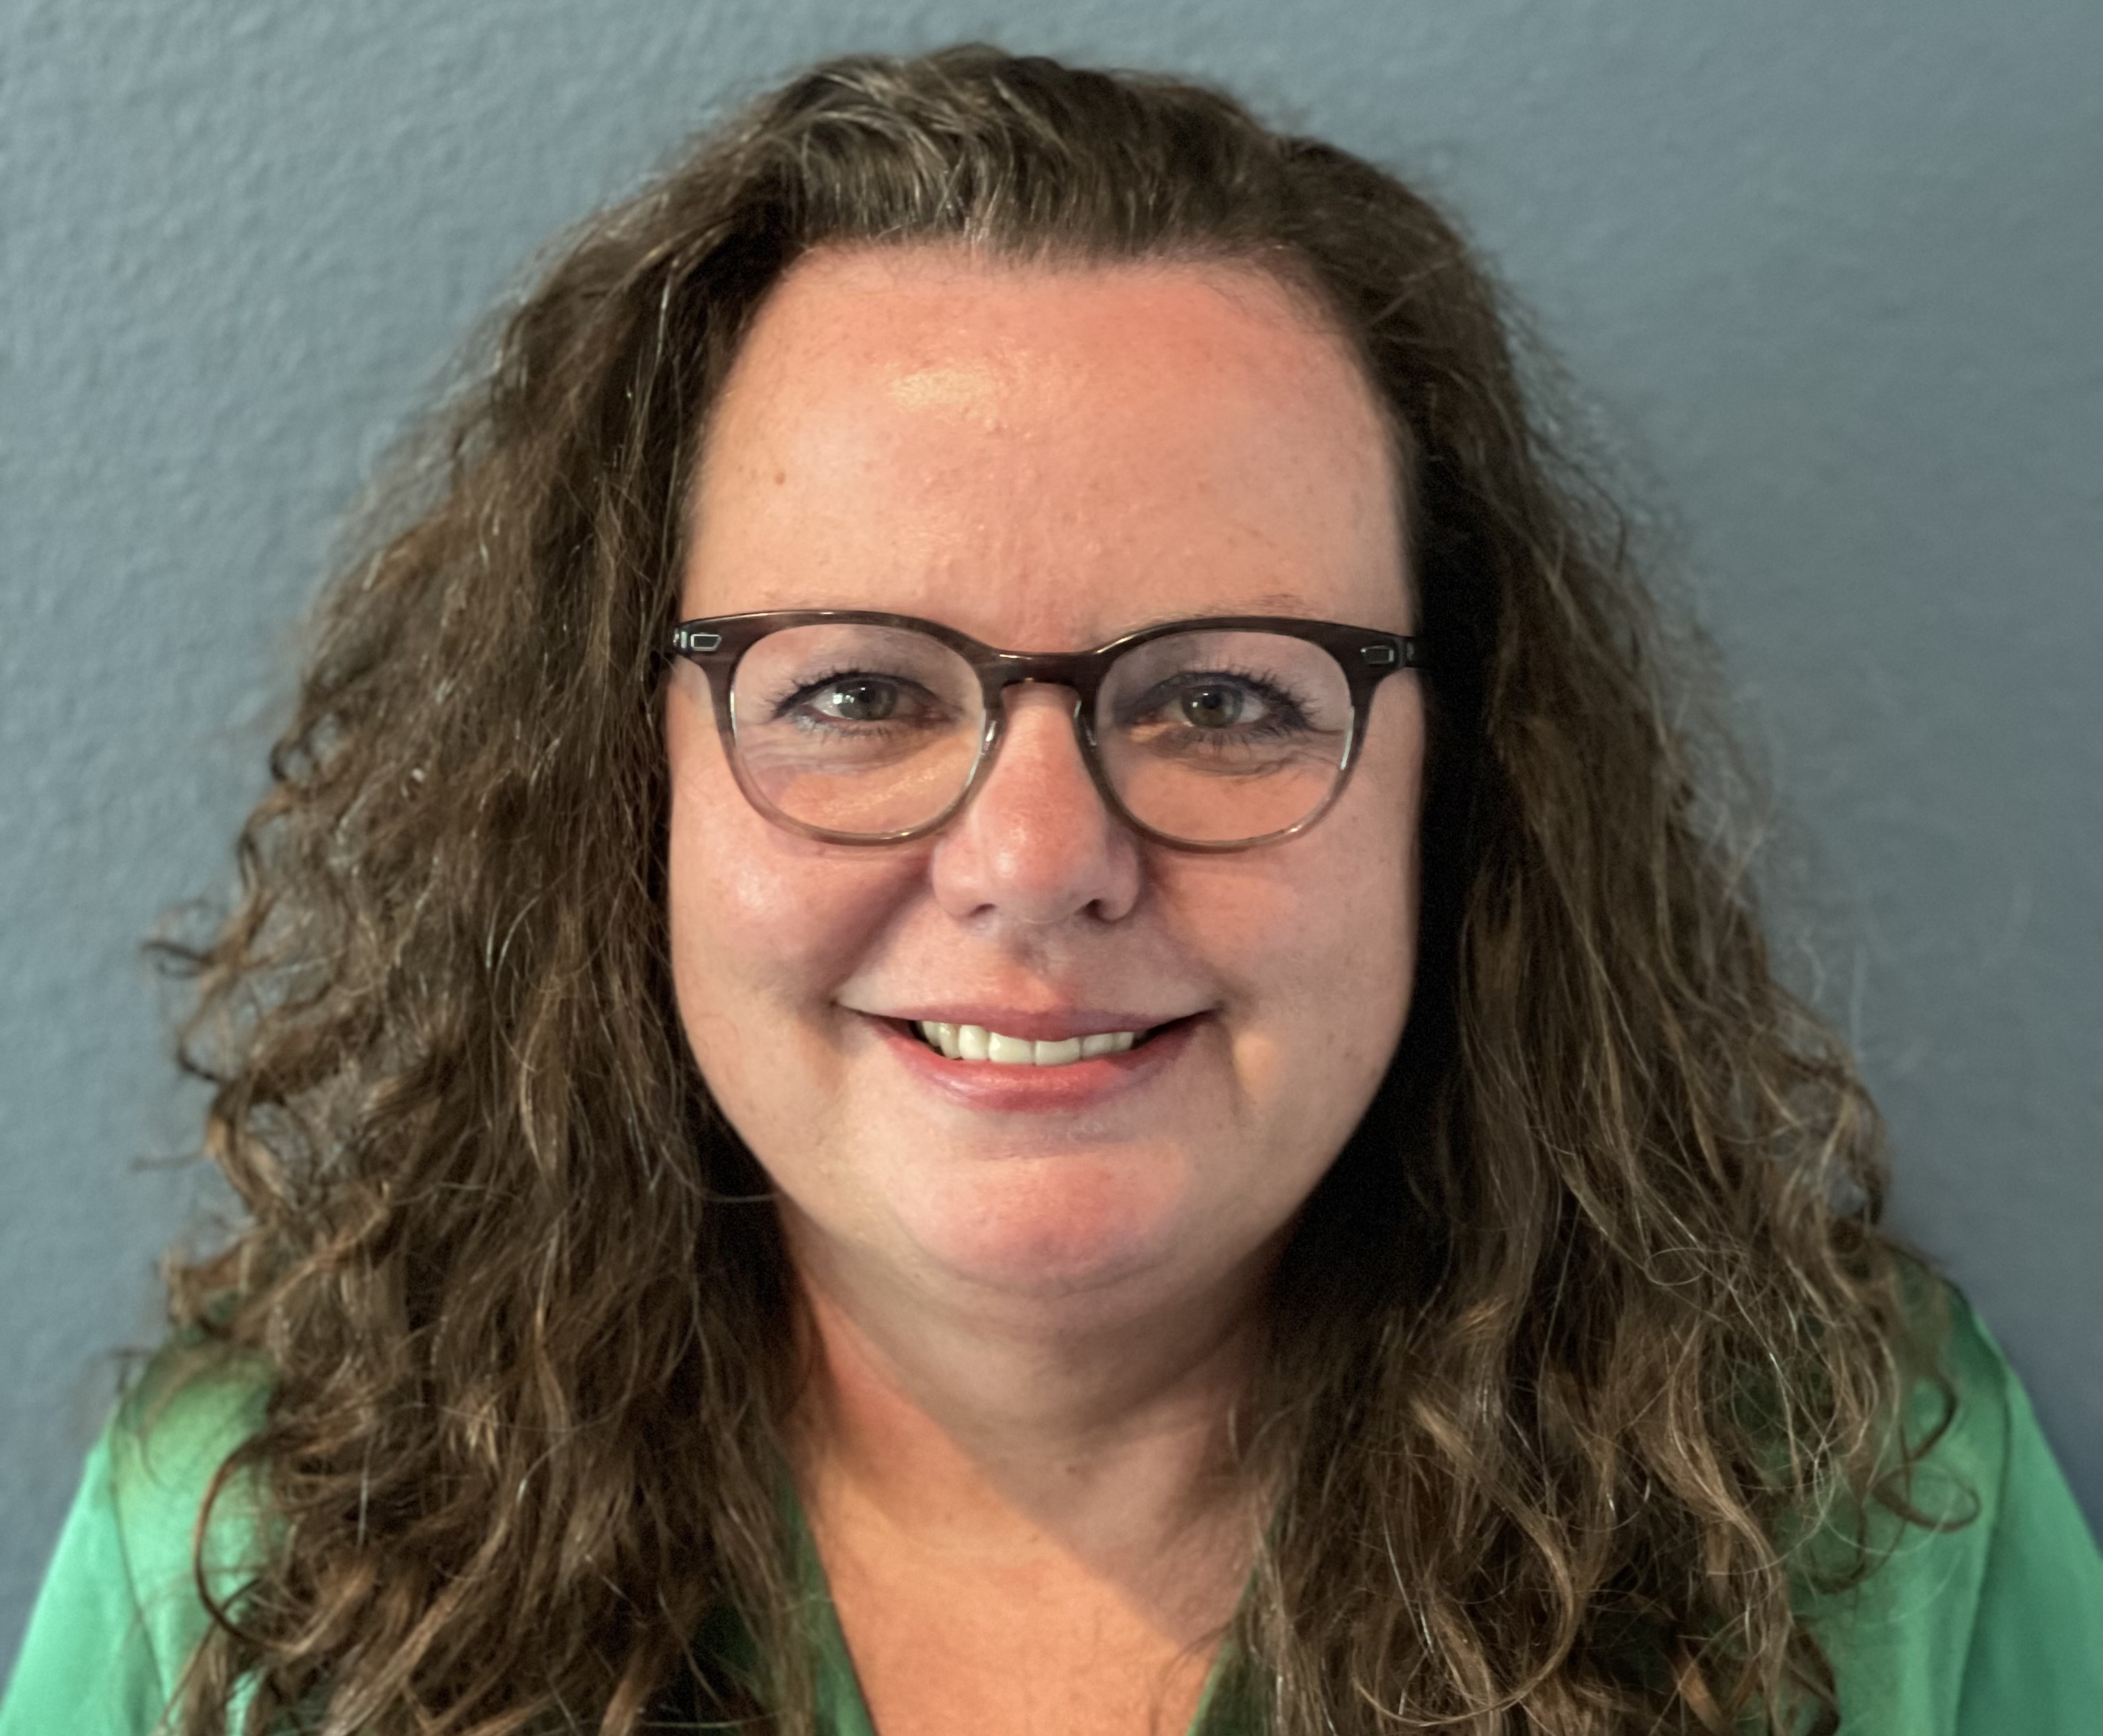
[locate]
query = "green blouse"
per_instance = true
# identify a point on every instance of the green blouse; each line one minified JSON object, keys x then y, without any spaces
{"x":1995,"y":1629}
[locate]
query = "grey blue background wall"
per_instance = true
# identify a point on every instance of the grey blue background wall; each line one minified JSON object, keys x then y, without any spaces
{"x":1827,"y":276}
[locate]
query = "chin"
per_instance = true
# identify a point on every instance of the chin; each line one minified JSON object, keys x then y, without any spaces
{"x":1051,"y":1226}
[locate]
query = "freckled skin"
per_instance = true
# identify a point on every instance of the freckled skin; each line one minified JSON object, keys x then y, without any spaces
{"x":1044,"y":459}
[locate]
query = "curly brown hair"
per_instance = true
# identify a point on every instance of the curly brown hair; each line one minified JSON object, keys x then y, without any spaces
{"x":1589,"y":1320}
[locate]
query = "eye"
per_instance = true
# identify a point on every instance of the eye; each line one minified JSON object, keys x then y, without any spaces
{"x":1200,"y":703}
{"x":861,"y":702}
{"x":1219,"y":704}
{"x":854,"y":699}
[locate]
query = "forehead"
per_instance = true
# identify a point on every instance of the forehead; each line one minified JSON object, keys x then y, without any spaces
{"x":1044,"y":455}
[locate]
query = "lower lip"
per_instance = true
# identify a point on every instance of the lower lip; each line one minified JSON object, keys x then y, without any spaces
{"x":1011,"y":1089}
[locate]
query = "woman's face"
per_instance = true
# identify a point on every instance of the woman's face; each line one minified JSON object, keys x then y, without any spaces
{"x":1043,"y":458}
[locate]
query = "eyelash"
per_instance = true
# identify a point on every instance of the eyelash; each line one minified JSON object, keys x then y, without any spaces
{"x":1293,"y":713}
{"x":783,"y":704}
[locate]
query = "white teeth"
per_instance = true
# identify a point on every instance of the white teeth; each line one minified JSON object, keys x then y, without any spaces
{"x":975,"y":1043}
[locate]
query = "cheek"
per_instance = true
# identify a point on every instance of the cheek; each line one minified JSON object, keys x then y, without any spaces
{"x":1324,"y":944}
{"x":1327,"y":983}
{"x":764,"y":925}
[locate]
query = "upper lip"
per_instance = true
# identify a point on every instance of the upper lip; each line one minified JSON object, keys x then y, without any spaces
{"x":1046,"y":1025}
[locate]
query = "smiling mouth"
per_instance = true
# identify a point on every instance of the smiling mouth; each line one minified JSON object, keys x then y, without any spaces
{"x":975,"y":1043}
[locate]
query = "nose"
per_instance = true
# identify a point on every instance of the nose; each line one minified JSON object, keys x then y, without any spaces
{"x":1035,"y":845}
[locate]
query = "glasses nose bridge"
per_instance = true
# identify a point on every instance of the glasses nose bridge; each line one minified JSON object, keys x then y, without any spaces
{"x":1079,"y":673}
{"x":1075,"y":669}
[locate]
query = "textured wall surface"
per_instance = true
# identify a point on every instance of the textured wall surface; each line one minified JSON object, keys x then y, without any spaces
{"x":1829,"y":275}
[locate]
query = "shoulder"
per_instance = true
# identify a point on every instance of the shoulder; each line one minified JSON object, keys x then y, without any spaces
{"x":1965,"y":1410}
{"x":120,"y":1613}
{"x":177,"y":1426}
{"x":1984,"y":1609}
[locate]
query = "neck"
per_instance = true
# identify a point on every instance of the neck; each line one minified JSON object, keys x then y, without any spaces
{"x":1101,"y":1424}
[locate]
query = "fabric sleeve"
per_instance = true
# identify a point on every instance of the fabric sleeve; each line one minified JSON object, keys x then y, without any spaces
{"x":1988,"y":1623}
{"x":2035,"y":1661}
{"x":119,"y":1615}
{"x":87,"y":1666}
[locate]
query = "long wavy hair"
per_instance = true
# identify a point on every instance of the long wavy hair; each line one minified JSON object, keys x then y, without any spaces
{"x":1587,"y":1328}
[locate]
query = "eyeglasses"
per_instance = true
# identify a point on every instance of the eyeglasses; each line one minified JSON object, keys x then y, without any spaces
{"x":1214,"y":734}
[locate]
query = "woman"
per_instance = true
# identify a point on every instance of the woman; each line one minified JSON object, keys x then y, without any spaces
{"x":987,"y":988}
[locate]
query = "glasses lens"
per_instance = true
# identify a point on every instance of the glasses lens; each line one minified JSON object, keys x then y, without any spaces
{"x":1223,"y":737}
{"x":855,"y":728}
